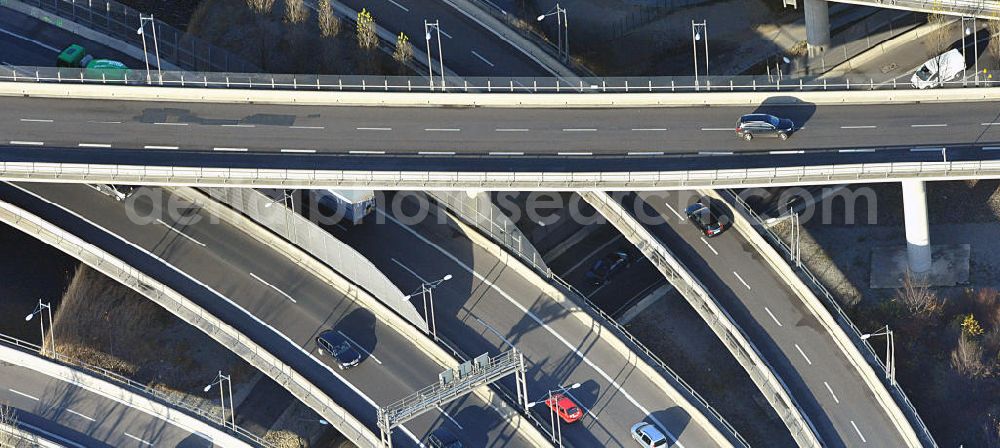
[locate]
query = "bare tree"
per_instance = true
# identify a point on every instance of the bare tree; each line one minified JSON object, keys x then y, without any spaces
{"x":404,"y":49}
{"x":967,"y":357}
{"x":261,"y":6}
{"x":296,"y":11}
{"x":8,"y":419}
{"x":917,"y":297}
{"x":329,"y":24}
{"x":991,"y":431}
{"x":367,"y":37}
{"x":994,"y":29}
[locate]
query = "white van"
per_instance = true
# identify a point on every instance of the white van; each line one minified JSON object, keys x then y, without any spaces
{"x":939,"y":69}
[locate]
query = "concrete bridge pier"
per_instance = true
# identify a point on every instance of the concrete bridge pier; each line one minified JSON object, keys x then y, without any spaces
{"x":918,"y":240}
{"x":817,"y":14}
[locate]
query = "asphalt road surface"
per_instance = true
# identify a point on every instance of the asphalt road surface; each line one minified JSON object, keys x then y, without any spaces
{"x":27,"y":41}
{"x":486,"y":307}
{"x":75,"y":417}
{"x":469,"y":49}
{"x":289,"y":299}
{"x":820,"y":377}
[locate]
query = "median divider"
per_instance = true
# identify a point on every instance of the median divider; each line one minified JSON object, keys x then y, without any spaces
{"x":772,"y":387}
{"x":375,"y":96}
{"x":119,"y":394}
{"x":842,"y":336}
{"x":361,"y":297}
{"x":193,"y":314}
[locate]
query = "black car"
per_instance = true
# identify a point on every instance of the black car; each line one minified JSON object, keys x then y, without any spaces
{"x":709,"y":221}
{"x":605,"y":268}
{"x":339,"y":348}
{"x":443,"y":438}
{"x":764,"y":125}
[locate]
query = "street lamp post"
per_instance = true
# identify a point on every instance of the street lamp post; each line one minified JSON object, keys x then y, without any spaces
{"x":697,"y":30}
{"x":41,"y":324}
{"x":427,"y":37}
{"x":966,"y":31}
{"x":554,"y":419}
{"x":562,"y":23}
{"x":219,"y":379}
{"x":426,"y":290}
{"x":890,"y":352}
{"x":156,"y":46}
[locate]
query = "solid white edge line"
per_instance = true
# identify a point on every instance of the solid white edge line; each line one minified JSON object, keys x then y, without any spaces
{"x":540,"y":323}
{"x":801,"y":352}
{"x":250,"y":315}
{"x":159,"y":147}
{"x":835,"y":399}
{"x":769,"y":313}
{"x":26,"y":143}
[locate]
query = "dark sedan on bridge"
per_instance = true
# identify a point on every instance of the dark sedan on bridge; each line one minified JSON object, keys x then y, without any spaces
{"x":710,"y":221}
{"x":339,"y":348}
{"x":764,"y":125}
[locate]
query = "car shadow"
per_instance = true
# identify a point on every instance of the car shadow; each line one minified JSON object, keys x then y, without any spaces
{"x":981,"y":43}
{"x":790,"y":107}
{"x":359,"y":326}
{"x":675,"y":418}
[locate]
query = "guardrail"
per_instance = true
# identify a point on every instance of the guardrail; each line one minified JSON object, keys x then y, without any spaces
{"x":15,"y":436}
{"x":193,"y":314}
{"x":355,"y":83}
{"x":843,"y":320}
{"x":985,"y":9}
{"x":298,"y":230}
{"x":486,"y":225}
{"x":732,"y":336}
{"x":121,"y":22}
{"x":207,"y":415}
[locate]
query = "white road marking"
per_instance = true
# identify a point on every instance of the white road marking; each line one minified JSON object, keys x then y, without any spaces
{"x":744,"y":282}
{"x":163,"y":123}
{"x":180,"y":233}
{"x":572,"y":153}
{"x":927,"y":149}
{"x":831,"y":392}
{"x":273,"y":287}
{"x":787,"y":152}
{"x":991,"y":148}
{"x":940,"y":125}
{"x":512,"y":129}
{"x":645,"y":153}
{"x":411,"y":271}
{"x":370,"y":355}
{"x":79,"y":415}
{"x":990,"y":124}
{"x":442,"y":32}
{"x":863,"y":440}
{"x":36,"y":120}
{"x":717,"y":129}
{"x":675,"y":211}
{"x":493,"y":330}
{"x":649,"y":129}
{"x":449,"y":417}
{"x":307,"y":127}
{"x":306,"y":151}
{"x":374,"y":129}
{"x":239,"y":126}
{"x":159,"y":147}
{"x":230,"y":149}
{"x":40,"y":44}
{"x":857,"y":150}
{"x":715,"y":153}
{"x":138,"y":439}
{"x":769,"y":313}
{"x":579,"y":130}
{"x":94,"y":145}
{"x":23,"y":394}
{"x":858,"y":127}
{"x":105,"y":122}
{"x":506,"y":153}
{"x":436,"y":153}
{"x":400,"y":6}
{"x":482,"y":58}
{"x":803,"y":354}
{"x":367,"y":152}
{"x":443,"y":130}
{"x":540,"y":323}
{"x":709,"y":246}
{"x":22,"y":142}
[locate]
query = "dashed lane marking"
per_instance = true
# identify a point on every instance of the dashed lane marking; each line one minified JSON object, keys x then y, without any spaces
{"x":26,"y":143}
{"x":138,"y":439}
{"x":709,"y":246}
{"x":837,"y":400}
{"x":744,"y":282}
{"x":858,"y":127}
{"x":436,"y":153}
{"x":367,"y":152}
{"x":303,"y":151}
{"x":36,"y":120}
{"x":15,"y":391}
{"x":94,"y":145}
{"x":159,"y":147}
{"x":307,"y":127}
{"x":769,"y":313}
{"x":231,"y":149}
{"x":374,"y":129}
{"x":487,"y":61}
{"x":400,"y":6}
{"x":803,"y":354}
{"x":273,"y":287}
{"x":863,"y":440}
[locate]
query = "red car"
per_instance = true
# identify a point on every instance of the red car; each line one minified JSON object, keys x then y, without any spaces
{"x":568,"y":411}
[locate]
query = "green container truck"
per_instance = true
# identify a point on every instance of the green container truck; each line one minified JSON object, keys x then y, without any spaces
{"x":75,"y":56}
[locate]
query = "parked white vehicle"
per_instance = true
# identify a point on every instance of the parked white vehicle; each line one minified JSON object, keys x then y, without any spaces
{"x":940,"y":69}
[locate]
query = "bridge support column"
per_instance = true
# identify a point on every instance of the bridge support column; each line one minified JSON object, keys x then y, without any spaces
{"x":817,"y":14}
{"x":918,"y":241}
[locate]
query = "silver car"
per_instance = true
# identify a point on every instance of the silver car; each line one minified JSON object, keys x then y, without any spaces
{"x":648,"y":435}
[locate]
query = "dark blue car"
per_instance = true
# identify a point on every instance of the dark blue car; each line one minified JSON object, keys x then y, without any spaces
{"x":339,"y":348}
